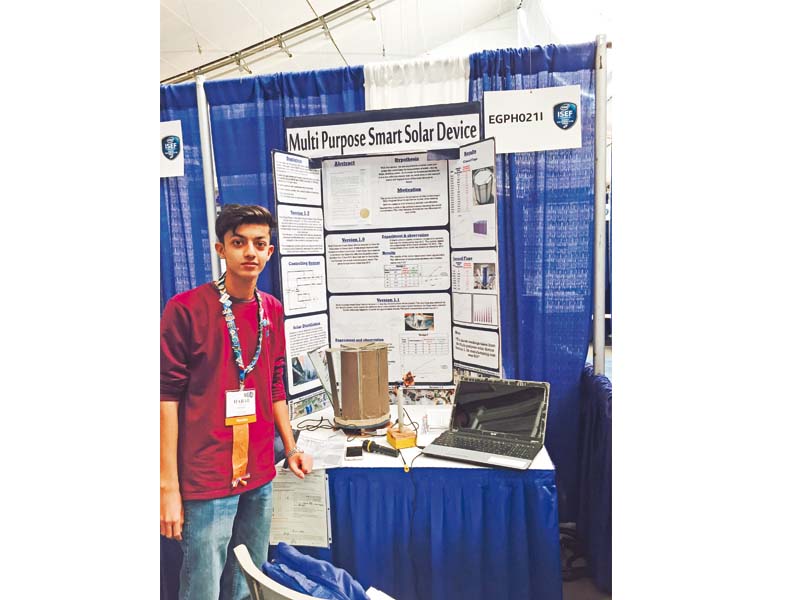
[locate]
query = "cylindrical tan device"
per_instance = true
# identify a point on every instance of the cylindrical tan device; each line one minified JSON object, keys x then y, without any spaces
{"x":359,"y":374}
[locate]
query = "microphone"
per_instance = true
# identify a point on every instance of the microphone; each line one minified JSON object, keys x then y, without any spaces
{"x":370,"y":446}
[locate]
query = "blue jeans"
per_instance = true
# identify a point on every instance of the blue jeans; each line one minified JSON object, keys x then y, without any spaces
{"x":211,"y":530}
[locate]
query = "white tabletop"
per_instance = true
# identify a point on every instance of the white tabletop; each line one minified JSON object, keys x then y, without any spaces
{"x":438,"y":420}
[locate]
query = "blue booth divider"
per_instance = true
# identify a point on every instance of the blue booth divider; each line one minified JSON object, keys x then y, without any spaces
{"x":594,"y":511}
{"x":185,"y":250}
{"x":545,"y":213}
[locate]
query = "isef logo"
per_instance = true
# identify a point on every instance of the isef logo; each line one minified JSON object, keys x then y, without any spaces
{"x":171,"y":146}
{"x":565,"y":114}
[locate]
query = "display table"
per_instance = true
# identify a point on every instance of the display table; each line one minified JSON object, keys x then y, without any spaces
{"x":445,"y":529}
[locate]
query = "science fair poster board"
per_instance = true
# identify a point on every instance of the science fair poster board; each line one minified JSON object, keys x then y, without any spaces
{"x":386,"y":221}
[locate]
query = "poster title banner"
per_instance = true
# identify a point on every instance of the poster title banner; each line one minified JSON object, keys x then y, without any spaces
{"x":534,"y":120}
{"x":385,"y":131}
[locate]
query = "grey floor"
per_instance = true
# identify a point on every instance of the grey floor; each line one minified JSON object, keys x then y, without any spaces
{"x":584,"y":589}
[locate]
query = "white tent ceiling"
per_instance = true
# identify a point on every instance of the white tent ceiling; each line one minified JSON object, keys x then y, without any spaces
{"x":196,"y":32}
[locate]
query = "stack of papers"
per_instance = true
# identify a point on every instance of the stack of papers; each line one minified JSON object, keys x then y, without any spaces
{"x":326,"y":447}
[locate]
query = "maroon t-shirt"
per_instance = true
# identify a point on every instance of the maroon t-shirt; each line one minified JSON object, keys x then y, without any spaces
{"x":198,"y":367}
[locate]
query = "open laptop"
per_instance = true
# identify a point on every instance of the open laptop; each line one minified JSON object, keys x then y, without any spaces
{"x":495,"y":422}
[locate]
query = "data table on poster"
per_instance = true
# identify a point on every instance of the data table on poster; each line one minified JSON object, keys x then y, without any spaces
{"x":436,"y":346}
{"x":401,"y":277}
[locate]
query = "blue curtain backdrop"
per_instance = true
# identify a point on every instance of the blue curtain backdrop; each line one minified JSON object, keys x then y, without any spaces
{"x":594,"y":510}
{"x":545,"y":220}
{"x":185,"y":251}
{"x":247,"y":124}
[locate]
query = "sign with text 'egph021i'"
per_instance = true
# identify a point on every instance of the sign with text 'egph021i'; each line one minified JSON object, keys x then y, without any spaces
{"x":532,"y":120}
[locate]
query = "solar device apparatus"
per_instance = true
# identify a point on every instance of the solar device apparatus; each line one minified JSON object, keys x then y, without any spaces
{"x":495,"y":422}
{"x":358,"y":378}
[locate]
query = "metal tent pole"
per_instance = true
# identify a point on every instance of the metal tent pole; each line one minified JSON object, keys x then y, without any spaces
{"x":208,"y":172}
{"x":601,"y":101}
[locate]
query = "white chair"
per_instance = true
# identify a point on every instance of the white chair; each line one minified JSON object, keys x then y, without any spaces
{"x":261,"y":586}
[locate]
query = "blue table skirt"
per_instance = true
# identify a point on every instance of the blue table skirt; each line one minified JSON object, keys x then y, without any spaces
{"x":447,"y":533}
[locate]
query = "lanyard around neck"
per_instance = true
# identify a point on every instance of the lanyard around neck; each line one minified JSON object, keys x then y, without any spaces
{"x":227,"y":313}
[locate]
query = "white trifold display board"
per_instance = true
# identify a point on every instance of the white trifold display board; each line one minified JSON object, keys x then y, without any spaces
{"x":398,"y":248}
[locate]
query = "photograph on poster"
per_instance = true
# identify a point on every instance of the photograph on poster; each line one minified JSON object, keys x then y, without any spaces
{"x":425,"y":395}
{"x":483,"y":186}
{"x":419,"y":321}
{"x":305,"y":405}
{"x":484,"y":276}
{"x":302,"y":369}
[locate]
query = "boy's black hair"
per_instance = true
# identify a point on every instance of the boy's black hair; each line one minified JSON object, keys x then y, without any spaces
{"x":233,"y":215}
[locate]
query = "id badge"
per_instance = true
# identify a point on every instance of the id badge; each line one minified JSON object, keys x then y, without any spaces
{"x":240,"y":407}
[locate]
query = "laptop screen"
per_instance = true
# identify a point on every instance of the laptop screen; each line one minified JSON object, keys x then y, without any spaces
{"x":499,"y":406}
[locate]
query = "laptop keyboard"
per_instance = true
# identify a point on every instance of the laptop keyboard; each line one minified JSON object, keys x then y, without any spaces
{"x":490,"y":446}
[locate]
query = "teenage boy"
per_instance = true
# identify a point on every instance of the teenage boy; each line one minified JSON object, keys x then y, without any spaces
{"x":222,"y":397}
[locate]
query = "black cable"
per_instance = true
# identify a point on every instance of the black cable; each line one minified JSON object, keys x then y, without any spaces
{"x":410,"y":420}
{"x":322,"y":423}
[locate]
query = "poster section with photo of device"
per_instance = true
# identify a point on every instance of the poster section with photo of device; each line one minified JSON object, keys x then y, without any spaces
{"x":387,"y":252}
{"x":303,"y":278}
{"x":474,"y":261}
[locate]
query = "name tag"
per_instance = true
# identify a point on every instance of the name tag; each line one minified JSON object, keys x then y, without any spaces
{"x":240,"y":407}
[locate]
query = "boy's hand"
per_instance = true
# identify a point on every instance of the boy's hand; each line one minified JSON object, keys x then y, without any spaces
{"x":171,"y":514}
{"x":301,"y":464}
